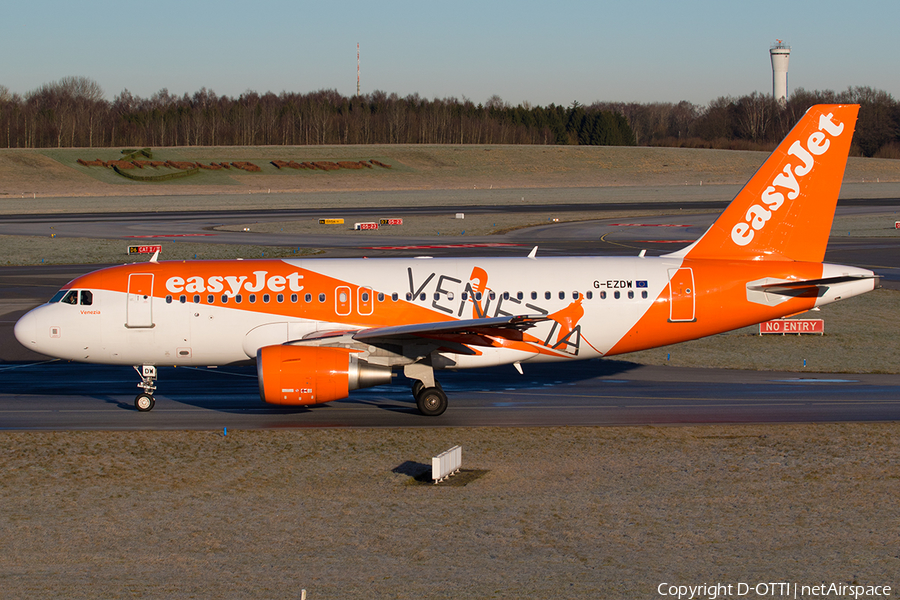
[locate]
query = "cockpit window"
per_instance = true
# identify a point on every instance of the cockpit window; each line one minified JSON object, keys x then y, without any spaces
{"x":57,"y":296}
{"x":87,"y":298}
{"x":71,"y":297}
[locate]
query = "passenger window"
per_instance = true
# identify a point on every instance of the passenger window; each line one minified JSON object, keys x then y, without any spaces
{"x":279,"y":298}
{"x":492,"y":295}
{"x":534,"y":295}
{"x":465,"y":296}
{"x":71,"y":297}
{"x":644,"y":295}
{"x":478,"y":296}
{"x":210,"y":299}
{"x":574,"y":295}
{"x":519,"y":295}
{"x":87,"y":298}
{"x":395,"y":296}
{"x":168,"y":300}
{"x":321,"y":297}
{"x":224,"y":299}
{"x":630,"y":295}
{"x":266,"y":298}
{"x":252,"y":298}
{"x":603,"y":295}
{"x":294,"y":298}
{"x":408,"y":296}
{"x":381,"y":296}
{"x":562,"y":295}
{"x":196,"y":298}
{"x":547,"y":295}
{"x":238,"y":299}
{"x":617,"y":295}
{"x":307,"y":298}
{"x":181,"y":299}
{"x":506,"y":295}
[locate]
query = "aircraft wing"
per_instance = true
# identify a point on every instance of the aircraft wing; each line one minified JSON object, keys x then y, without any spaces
{"x":455,"y":336}
{"x":501,"y":326}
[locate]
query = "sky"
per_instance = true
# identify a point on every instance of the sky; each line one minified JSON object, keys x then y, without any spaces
{"x":526,"y":51}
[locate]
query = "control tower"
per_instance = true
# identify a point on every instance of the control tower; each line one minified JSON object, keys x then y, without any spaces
{"x":780,"y":54}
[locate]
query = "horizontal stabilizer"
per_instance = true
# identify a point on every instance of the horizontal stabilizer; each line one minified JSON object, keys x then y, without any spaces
{"x":790,"y":288}
{"x":773,"y":292}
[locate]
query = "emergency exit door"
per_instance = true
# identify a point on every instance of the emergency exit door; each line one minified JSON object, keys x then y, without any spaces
{"x":343,"y":301}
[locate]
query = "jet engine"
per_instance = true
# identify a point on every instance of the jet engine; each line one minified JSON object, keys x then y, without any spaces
{"x":300,"y":375}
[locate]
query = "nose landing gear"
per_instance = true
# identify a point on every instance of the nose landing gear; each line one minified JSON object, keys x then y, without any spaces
{"x":145,"y":401}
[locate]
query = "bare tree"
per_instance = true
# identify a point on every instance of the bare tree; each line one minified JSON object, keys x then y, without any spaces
{"x":754,"y":115}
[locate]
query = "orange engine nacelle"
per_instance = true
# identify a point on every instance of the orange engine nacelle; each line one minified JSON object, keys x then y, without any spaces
{"x":301,"y":375}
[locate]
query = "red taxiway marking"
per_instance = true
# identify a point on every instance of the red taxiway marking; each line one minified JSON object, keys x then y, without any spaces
{"x":170,"y":235}
{"x":439,"y":246}
{"x":645,"y":225}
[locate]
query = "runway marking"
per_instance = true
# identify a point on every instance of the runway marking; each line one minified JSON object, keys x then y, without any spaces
{"x":218,"y":372}
{"x":739,"y":402}
{"x":812,"y":380}
{"x":29,"y":365}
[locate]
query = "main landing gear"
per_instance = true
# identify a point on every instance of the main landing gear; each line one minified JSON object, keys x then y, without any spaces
{"x":145,"y":401}
{"x":430,"y":397}
{"x":431,"y":401}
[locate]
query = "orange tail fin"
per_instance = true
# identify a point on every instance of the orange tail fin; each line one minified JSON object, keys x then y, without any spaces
{"x":786,"y":209}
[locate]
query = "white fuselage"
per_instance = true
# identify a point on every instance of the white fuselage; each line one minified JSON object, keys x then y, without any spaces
{"x":201,"y":314}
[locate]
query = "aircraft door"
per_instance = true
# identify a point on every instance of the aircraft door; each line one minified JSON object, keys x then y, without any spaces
{"x":139,"y":311}
{"x":343,"y":301}
{"x":681,"y":295}
{"x":365,"y":304}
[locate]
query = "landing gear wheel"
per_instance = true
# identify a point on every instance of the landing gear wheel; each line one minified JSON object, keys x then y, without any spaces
{"x":144,"y":402}
{"x":418,"y":386}
{"x":431,"y":401}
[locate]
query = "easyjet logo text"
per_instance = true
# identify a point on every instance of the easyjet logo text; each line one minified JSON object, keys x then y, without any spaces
{"x":789,"y":181}
{"x":233,"y":284}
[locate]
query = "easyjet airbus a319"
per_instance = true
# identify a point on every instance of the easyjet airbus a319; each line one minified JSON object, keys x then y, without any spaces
{"x":320,"y":328}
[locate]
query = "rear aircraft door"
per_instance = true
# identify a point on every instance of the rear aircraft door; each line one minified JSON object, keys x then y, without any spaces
{"x":139,"y":311}
{"x":681,"y":295}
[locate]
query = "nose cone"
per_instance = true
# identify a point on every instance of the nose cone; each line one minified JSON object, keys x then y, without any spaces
{"x":26,"y":330}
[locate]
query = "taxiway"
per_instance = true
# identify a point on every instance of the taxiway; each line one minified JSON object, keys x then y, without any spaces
{"x":35,"y":394}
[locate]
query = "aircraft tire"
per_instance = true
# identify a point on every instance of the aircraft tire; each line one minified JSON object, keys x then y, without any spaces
{"x":417,"y":387}
{"x":432,"y":401}
{"x":144,"y":402}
